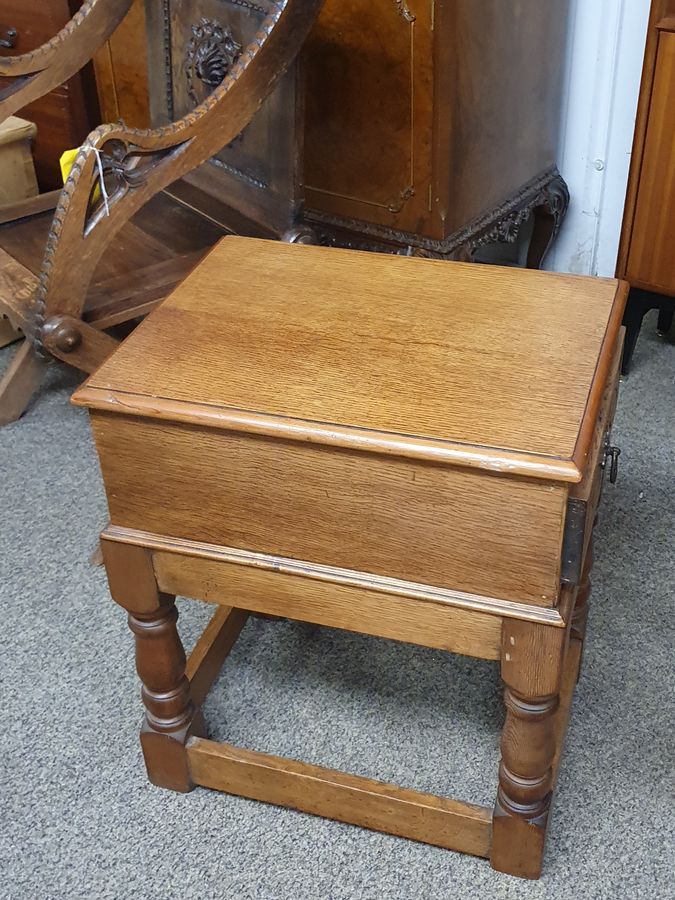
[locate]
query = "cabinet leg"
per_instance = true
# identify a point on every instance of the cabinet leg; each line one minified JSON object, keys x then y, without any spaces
{"x":638,"y":305}
{"x":521,"y":813}
{"x":171,"y":717}
{"x":531,"y":669}
{"x":665,"y":322}
{"x":170,"y":714}
{"x":548,"y":219}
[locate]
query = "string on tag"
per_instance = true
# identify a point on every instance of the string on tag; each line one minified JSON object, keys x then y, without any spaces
{"x":104,"y":192}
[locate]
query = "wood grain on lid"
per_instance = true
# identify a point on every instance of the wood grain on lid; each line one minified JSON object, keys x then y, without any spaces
{"x":478,"y":358}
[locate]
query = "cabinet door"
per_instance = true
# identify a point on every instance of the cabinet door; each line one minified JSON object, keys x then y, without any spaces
{"x":192,"y":45}
{"x":651,"y":261}
{"x":61,"y":116}
{"x":369,"y":108}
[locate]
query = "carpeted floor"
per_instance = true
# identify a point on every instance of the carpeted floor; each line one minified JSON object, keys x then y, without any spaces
{"x":79,"y":819}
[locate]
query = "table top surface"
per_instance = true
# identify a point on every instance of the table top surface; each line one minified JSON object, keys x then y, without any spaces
{"x":466,"y":363}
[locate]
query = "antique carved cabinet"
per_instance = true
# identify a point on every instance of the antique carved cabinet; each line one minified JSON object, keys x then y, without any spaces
{"x":422,"y":125}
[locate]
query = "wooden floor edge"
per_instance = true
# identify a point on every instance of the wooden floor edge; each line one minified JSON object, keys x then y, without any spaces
{"x":364,"y":580}
{"x":353,"y":799}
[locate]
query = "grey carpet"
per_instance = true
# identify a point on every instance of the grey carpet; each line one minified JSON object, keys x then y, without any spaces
{"x":79,"y":819}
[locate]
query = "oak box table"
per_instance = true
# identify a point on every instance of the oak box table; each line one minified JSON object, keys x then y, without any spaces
{"x":400,"y":447}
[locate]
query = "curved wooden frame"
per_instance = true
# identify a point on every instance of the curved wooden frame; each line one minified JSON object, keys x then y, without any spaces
{"x":34,"y":74}
{"x":135,"y":165}
{"x":141,"y":163}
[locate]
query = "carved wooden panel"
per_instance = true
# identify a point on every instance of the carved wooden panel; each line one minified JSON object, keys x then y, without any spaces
{"x":200,"y":40}
{"x":369,"y":111}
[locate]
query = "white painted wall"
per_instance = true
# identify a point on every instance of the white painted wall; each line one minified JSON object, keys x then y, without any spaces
{"x":605,"y":52}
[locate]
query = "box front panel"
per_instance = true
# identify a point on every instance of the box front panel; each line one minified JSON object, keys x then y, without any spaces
{"x":458,"y":529}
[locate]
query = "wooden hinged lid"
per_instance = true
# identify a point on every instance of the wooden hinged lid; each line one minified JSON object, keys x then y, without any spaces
{"x":471,"y":365}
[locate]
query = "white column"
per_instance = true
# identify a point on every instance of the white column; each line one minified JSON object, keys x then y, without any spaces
{"x":605,"y":51}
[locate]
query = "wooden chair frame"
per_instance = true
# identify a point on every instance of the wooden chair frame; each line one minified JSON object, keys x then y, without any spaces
{"x":32,"y":75}
{"x":26,"y":78}
{"x":118,"y":169}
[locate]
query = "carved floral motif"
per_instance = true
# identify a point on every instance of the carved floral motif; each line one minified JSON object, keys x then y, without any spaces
{"x":210,"y":54}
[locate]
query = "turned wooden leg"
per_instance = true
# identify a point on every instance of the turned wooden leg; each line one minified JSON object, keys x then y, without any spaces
{"x":171,"y":716}
{"x":20,"y":381}
{"x":532,"y":659}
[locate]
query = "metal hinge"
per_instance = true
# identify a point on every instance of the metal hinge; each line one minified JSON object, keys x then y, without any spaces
{"x":573,"y":542}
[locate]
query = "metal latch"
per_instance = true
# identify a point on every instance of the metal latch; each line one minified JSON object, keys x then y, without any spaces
{"x":612,"y":455}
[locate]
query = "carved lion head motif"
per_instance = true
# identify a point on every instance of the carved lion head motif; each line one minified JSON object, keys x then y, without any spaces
{"x":210,"y":54}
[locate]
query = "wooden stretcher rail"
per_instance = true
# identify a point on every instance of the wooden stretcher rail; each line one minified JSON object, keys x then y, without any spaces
{"x":356,"y":800}
{"x":336,"y":795}
{"x":212,"y":649}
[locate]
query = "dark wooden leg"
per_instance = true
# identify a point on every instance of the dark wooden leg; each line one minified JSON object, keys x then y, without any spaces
{"x":20,"y":381}
{"x":532,"y":657}
{"x":8,"y":334}
{"x":548,"y":208}
{"x":171,"y":716}
{"x":636,"y":308}
{"x":633,"y":326}
{"x":548,"y":218}
{"x":665,"y":320}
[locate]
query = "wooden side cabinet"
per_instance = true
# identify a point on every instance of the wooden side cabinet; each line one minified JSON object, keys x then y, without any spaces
{"x":64,"y":116}
{"x":646,"y":257}
{"x":428,"y":127}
